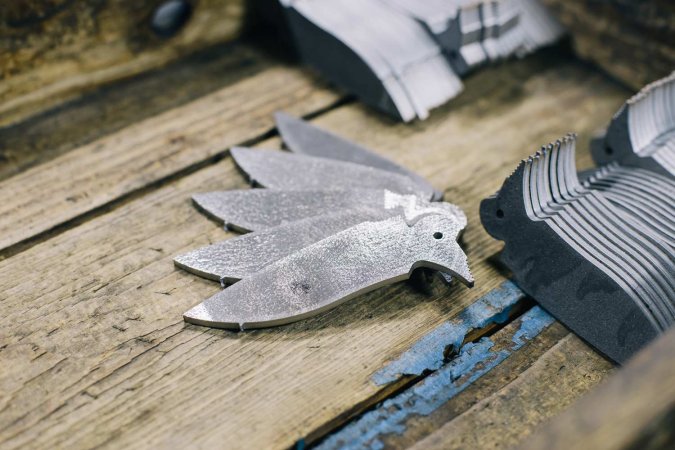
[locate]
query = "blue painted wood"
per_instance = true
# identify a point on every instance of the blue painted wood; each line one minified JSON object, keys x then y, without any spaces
{"x":427,"y":354}
{"x":473,"y":361}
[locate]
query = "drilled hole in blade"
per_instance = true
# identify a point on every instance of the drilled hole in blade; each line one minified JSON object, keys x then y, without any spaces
{"x":438,"y":235}
{"x":500,"y":213}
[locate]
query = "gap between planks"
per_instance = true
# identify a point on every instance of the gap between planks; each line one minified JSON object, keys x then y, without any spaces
{"x":405,"y":382}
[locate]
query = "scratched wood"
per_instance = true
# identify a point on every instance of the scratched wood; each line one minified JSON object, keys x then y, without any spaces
{"x":418,"y":428}
{"x":93,"y":349}
{"x":632,"y":41}
{"x":503,"y":419}
{"x":152,"y":149}
{"x":53,"y":51}
{"x":634,"y":409}
{"x":58,"y":130}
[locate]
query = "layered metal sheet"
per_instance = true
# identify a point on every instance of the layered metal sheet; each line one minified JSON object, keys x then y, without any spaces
{"x":405,"y":57}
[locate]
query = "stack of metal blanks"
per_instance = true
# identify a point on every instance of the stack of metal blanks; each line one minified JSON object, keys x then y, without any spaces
{"x":405,"y":57}
{"x":597,"y":252}
{"x":335,"y":221}
{"x":642,"y":133}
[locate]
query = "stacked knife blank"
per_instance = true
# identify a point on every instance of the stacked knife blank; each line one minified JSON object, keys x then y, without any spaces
{"x":334,"y":221}
{"x":405,"y":57}
{"x":642,"y":133}
{"x":597,"y":249}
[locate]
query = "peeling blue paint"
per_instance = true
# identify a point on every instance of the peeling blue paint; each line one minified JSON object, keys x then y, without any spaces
{"x":473,"y":361}
{"x":427,"y":353}
{"x":534,"y":321}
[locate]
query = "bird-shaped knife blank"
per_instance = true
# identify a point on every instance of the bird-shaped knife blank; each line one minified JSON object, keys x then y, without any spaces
{"x":234,"y":259}
{"x":590,"y":255}
{"x":344,"y":219}
{"x":335,"y":269}
{"x":642,"y":132}
{"x":405,"y":57}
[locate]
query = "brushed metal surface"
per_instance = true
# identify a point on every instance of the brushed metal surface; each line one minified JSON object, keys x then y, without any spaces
{"x":283,"y":170}
{"x":236,"y":258}
{"x":333,"y":270}
{"x":260,"y":209}
{"x":242,"y":256}
{"x":304,"y":138}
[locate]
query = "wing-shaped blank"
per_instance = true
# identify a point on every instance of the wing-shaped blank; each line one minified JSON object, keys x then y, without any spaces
{"x":283,"y":170}
{"x":260,"y":209}
{"x":242,"y":256}
{"x":307,"y":139}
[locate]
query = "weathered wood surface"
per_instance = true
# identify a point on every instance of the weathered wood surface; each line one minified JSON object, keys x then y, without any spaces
{"x":58,"y":130}
{"x":93,"y":349}
{"x":422,"y":428}
{"x":503,"y":419}
{"x":632,"y":41}
{"x":152,"y":150}
{"x":52,"y":51}
{"x":634,"y":409}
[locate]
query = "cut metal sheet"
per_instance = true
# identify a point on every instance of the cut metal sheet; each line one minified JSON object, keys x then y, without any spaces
{"x":335,"y":210}
{"x":282,"y":170}
{"x":324,"y":41}
{"x":234,"y":259}
{"x":403,"y":57}
{"x":260,"y":209}
{"x":336,"y":269}
{"x":639,"y":254}
{"x":304,"y":138}
{"x":595,"y":257}
{"x":642,"y":133}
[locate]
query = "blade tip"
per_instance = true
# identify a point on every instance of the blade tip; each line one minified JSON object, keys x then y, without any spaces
{"x":282,"y":116}
{"x":198,"y":315}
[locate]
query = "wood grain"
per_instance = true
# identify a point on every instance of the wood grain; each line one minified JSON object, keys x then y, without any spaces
{"x":151,"y":150}
{"x":93,"y":349}
{"x":501,"y":420}
{"x":418,"y":428}
{"x":632,"y":41}
{"x":110,"y":108}
{"x":634,"y":409}
{"x":55,"y":50}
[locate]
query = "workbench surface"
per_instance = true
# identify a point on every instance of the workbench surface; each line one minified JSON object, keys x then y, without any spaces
{"x":94,"y":351}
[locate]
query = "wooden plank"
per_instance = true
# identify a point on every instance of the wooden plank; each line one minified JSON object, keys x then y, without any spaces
{"x":634,"y":409}
{"x":53,"y":51}
{"x":387,"y":424}
{"x":94,"y":351}
{"x":421,"y":426}
{"x":151,"y":150}
{"x":561,"y":375}
{"x":108,"y":109}
{"x":632,"y":41}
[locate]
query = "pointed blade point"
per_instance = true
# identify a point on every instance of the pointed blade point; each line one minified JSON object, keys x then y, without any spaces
{"x":198,"y":315}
